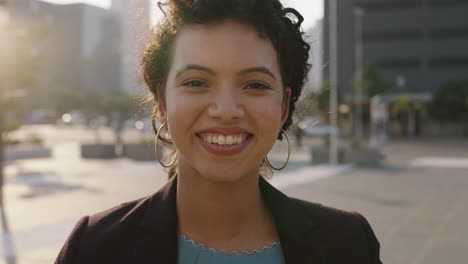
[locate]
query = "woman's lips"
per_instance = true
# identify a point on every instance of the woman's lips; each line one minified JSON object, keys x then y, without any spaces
{"x":225,"y":149}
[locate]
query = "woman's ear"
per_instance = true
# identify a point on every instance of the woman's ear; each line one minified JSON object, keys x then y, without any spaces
{"x":286,"y":102}
{"x":161,"y":106}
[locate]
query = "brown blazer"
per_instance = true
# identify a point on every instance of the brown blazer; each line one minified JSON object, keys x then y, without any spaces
{"x":144,"y":231}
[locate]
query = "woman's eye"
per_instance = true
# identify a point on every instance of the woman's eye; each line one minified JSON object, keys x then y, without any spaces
{"x":258,"y":85}
{"x":194,"y":83}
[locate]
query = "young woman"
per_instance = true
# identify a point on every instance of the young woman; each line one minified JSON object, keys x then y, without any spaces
{"x":225,"y":76}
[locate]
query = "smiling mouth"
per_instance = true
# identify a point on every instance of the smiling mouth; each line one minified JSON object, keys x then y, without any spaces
{"x":223,"y":140}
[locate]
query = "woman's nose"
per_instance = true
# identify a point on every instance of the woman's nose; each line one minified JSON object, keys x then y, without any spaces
{"x":225,"y":106}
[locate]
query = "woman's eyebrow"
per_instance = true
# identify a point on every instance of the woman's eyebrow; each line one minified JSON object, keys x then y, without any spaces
{"x":260,"y":69}
{"x":195,"y":67}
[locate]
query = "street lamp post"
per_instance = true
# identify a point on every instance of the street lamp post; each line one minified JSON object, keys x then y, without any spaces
{"x":333,"y":21}
{"x":358,"y":53}
{"x":8,"y":247}
{"x":3,"y":22}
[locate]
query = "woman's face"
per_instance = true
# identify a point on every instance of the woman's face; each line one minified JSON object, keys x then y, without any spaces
{"x":224,"y":100}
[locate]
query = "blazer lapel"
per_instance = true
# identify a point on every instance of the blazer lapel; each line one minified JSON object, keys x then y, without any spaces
{"x":156,"y":240}
{"x":297,"y":226}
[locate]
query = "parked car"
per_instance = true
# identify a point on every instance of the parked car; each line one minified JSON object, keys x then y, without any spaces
{"x":74,"y":117}
{"x":42,"y":116}
{"x":313,"y":128}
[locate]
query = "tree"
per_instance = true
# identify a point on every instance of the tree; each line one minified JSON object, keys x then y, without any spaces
{"x":313,"y":102}
{"x":401,"y":109}
{"x":450,"y":102}
{"x":19,"y":70}
{"x":323,"y":97}
{"x":372,"y":81}
{"x":65,"y":100}
{"x":466,"y":102}
{"x":120,"y":108}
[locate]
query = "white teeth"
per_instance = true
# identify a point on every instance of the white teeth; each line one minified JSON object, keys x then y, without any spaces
{"x":223,"y":140}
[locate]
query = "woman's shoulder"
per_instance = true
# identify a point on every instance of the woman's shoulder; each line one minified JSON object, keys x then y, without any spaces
{"x":331,"y":217}
{"x":299,"y":216}
{"x":132,"y":212}
{"x":102,"y":232}
{"x":341,"y":230}
{"x":325,"y":212}
{"x":120,"y":214}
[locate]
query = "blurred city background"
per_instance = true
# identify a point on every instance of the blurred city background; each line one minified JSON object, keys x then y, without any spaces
{"x":381,"y":127}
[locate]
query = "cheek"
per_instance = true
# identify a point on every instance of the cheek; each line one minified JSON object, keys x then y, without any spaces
{"x":182,"y":114}
{"x":268,"y":111}
{"x":267,"y":116}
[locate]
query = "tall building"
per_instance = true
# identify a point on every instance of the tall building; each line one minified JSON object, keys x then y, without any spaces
{"x":3,"y":8}
{"x":80,"y":45}
{"x":134,"y":21}
{"x":416,"y":44}
{"x":315,"y":39}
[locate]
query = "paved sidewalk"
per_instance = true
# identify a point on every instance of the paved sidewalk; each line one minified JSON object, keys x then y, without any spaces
{"x":39,"y":194}
{"x":417,"y":203}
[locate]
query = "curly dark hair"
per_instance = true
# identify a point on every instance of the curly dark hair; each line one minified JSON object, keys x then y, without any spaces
{"x":273,"y":21}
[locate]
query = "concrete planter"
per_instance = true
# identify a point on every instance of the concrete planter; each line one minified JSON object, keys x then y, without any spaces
{"x":26,"y":151}
{"x":98,"y":151}
{"x":357,"y":156}
{"x":363,"y":156}
{"x":320,"y":155}
{"x":140,"y":152}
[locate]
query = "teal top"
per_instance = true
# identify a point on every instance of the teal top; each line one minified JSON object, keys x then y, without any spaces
{"x":192,"y":253}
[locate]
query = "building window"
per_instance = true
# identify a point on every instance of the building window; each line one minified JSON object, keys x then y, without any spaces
{"x":447,"y":2}
{"x":372,"y":5}
{"x":448,"y":62}
{"x":398,"y":63}
{"x":392,"y":35}
{"x":448,"y":33}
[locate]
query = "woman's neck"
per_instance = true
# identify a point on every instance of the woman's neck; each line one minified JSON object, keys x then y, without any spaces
{"x":224,"y":214}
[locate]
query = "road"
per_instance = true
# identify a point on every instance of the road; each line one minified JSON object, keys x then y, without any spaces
{"x":416,"y":202}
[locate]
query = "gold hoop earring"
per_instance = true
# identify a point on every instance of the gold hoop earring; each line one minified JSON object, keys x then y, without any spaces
{"x":156,"y":148}
{"x":289,"y":154}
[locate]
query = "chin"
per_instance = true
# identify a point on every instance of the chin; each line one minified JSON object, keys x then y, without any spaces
{"x":220,"y":171}
{"x":221,"y":176}
{"x":224,"y":174}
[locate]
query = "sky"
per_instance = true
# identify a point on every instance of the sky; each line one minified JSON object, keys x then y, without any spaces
{"x":311,"y":10}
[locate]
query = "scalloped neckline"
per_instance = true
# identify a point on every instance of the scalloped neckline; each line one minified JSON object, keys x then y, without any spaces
{"x":224,"y":252}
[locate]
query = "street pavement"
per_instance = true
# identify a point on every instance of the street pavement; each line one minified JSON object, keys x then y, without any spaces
{"x":415,"y":202}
